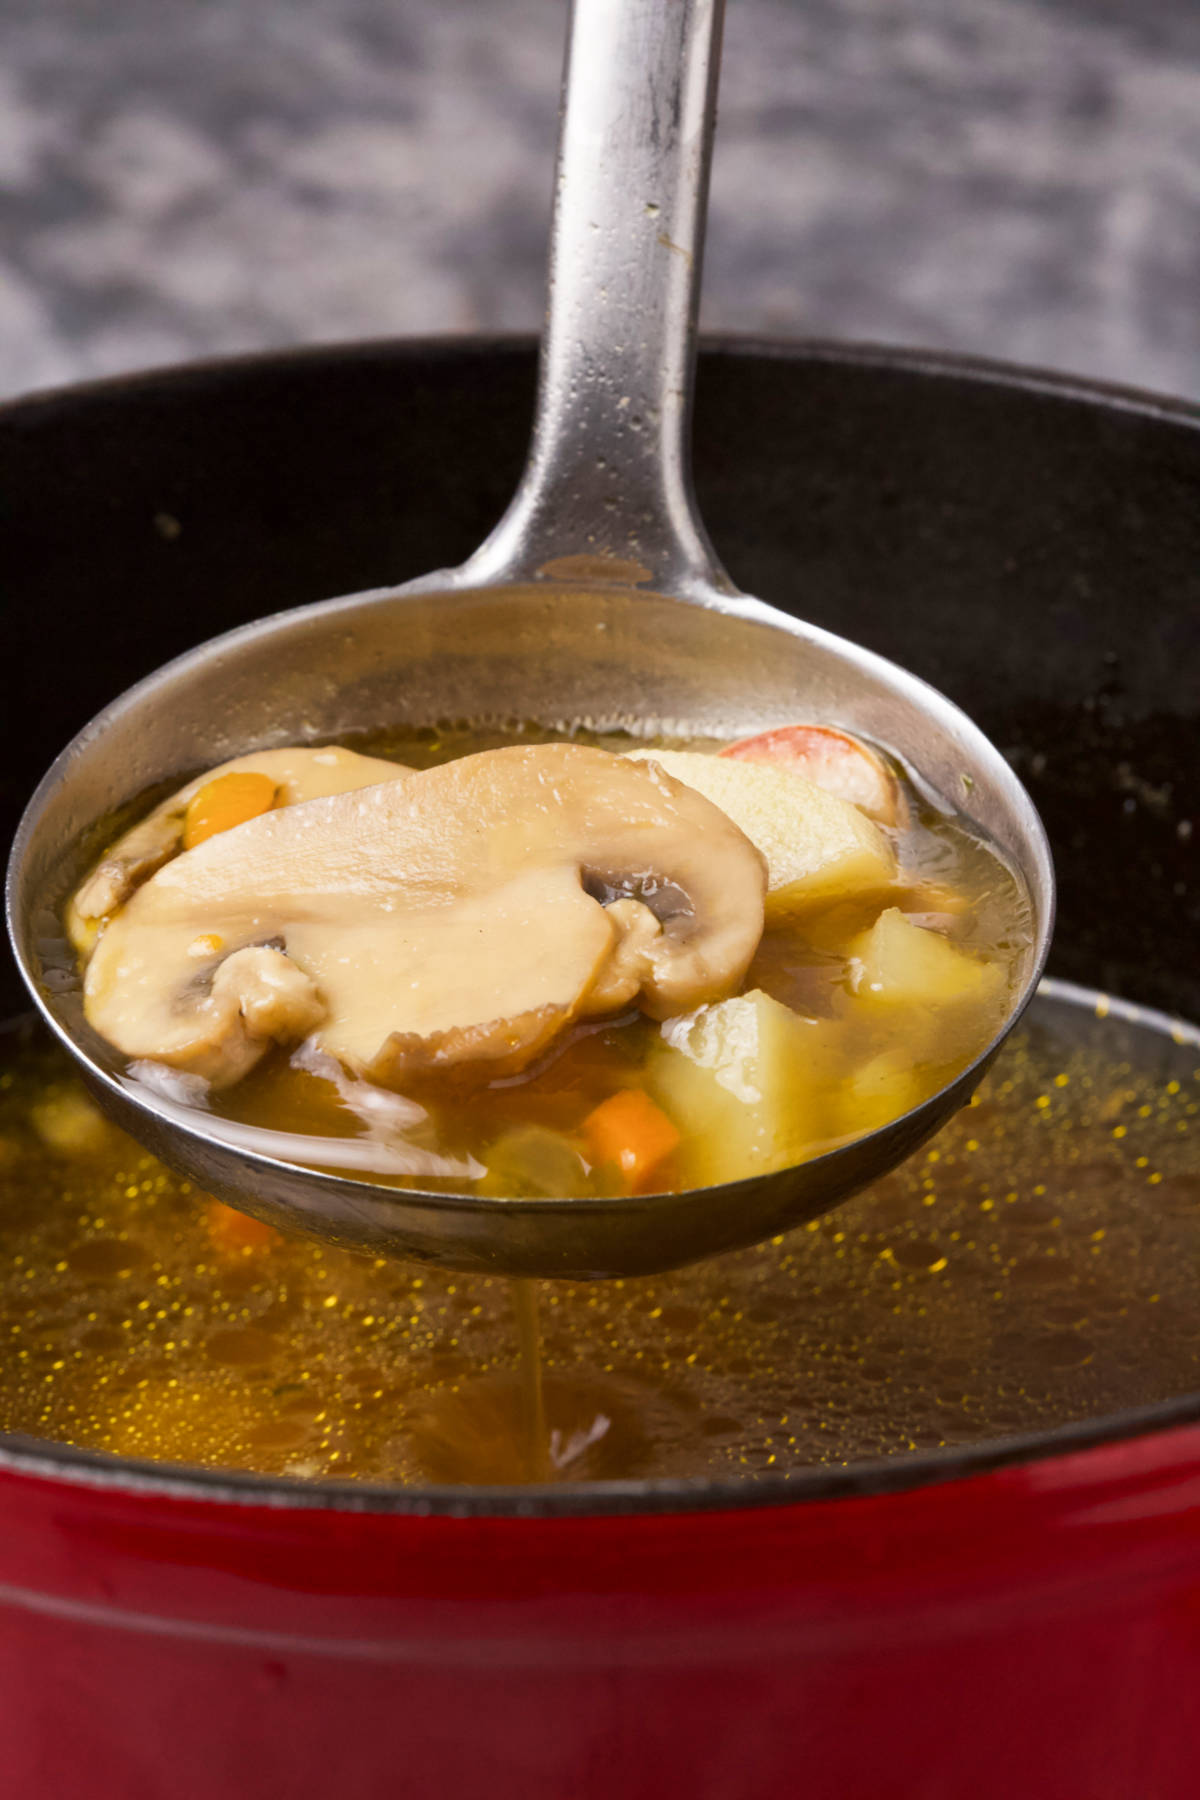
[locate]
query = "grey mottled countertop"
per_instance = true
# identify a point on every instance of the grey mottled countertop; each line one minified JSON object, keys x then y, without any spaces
{"x":178,"y":178}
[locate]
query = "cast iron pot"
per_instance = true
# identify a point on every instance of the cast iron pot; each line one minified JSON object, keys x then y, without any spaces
{"x":1021,"y":1619}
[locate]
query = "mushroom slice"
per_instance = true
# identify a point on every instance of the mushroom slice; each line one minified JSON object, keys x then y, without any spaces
{"x":447,"y":921}
{"x":220,"y":1023}
{"x":299,"y":773}
{"x":629,"y":963}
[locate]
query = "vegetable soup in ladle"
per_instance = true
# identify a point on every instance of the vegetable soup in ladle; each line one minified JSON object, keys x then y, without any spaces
{"x":550,"y":969}
{"x":723,"y":935}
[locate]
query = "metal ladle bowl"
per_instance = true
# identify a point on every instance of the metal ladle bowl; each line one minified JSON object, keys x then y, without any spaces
{"x":597,"y":601}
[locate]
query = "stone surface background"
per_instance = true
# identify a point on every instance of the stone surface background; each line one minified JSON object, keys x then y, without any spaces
{"x":178,"y":178}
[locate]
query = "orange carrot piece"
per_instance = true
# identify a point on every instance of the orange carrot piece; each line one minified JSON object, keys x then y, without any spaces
{"x":629,"y":1130}
{"x":234,"y":1232}
{"x":228,"y":801}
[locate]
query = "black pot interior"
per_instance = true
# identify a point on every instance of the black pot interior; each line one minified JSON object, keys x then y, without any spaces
{"x":1031,"y":547}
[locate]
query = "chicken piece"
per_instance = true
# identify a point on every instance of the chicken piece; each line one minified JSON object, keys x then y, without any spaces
{"x":452,"y":920}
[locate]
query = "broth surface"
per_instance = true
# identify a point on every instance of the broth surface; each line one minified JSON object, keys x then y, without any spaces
{"x":1035,"y":1265}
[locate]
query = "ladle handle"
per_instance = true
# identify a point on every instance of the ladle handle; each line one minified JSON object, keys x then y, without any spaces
{"x":609,"y":470}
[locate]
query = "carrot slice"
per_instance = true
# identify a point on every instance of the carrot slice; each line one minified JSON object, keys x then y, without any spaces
{"x":233,"y":1232}
{"x":629,"y":1130}
{"x":831,"y":759}
{"x":228,"y":801}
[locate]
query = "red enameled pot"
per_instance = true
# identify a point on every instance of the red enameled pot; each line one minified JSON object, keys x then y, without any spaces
{"x":1021,"y":1620}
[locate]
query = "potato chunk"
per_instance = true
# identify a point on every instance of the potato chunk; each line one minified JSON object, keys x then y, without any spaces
{"x":818,"y":848}
{"x":748,"y":1083}
{"x":898,"y":964}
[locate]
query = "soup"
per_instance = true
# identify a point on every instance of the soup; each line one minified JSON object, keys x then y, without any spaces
{"x":1032,"y":1267}
{"x":794,"y":964}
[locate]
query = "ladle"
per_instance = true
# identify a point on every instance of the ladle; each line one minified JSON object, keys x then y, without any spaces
{"x":597,"y":600}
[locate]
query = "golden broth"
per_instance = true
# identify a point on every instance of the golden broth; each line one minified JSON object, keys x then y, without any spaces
{"x":1032,"y":1267}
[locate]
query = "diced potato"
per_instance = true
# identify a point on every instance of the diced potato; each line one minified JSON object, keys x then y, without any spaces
{"x":818,"y":848}
{"x":898,"y":964}
{"x":750,"y":1085}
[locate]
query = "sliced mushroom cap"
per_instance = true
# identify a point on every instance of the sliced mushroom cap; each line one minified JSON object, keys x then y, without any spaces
{"x":453,"y":919}
{"x":299,"y":773}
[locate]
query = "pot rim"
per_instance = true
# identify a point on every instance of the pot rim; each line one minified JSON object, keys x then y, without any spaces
{"x":904,"y":359}
{"x":42,"y":1459}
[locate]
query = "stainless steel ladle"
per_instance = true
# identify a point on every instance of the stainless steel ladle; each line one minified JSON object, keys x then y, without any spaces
{"x":597,"y":600}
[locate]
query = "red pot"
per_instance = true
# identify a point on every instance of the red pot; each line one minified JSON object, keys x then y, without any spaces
{"x":1033,"y":1631}
{"x":1018,"y":1621}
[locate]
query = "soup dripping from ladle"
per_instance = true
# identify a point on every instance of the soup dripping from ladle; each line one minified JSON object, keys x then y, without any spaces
{"x":597,"y":600}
